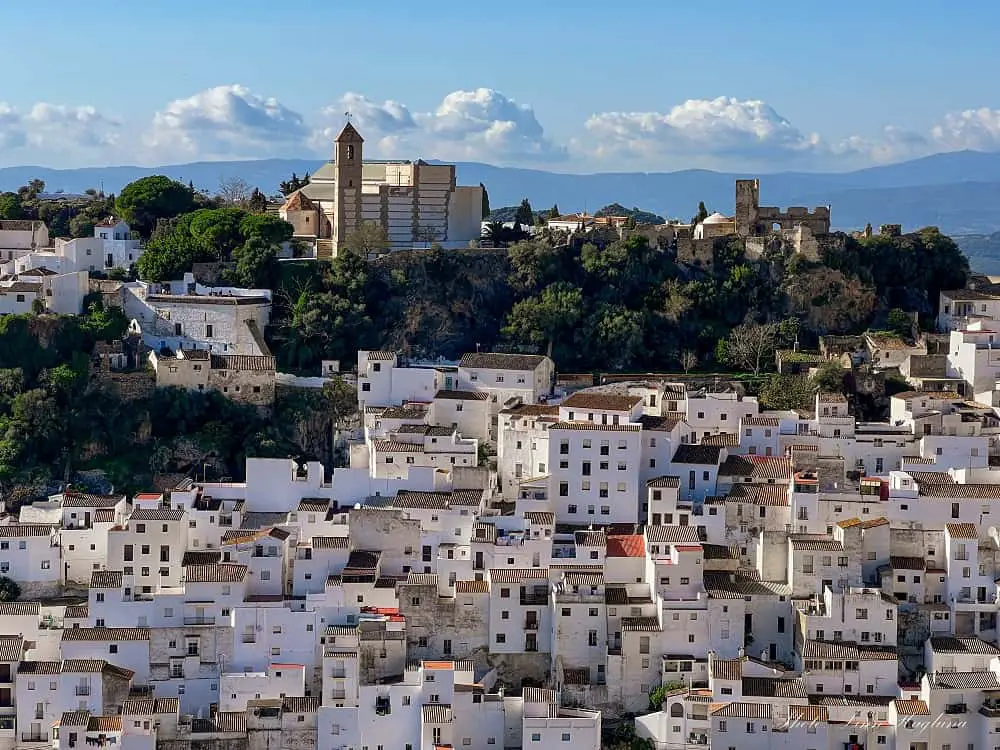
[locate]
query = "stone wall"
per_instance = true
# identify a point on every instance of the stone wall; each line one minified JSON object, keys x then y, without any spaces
{"x":698,"y":253}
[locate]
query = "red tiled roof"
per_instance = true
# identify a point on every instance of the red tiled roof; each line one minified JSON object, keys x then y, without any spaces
{"x":626,"y":545}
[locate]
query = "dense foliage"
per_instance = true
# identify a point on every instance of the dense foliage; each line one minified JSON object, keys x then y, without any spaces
{"x":56,"y":420}
{"x":216,"y":235}
{"x":64,"y":215}
{"x":620,"y":306}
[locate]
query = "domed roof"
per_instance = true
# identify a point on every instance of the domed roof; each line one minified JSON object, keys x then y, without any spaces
{"x":716,"y":218}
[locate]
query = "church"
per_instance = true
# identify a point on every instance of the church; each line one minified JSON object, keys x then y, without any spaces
{"x":415,"y":202}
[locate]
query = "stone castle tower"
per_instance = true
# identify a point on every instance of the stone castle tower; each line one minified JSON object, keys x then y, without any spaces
{"x":348,"y":170}
{"x":747,"y":205}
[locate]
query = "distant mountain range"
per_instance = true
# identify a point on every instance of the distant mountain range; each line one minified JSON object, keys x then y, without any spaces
{"x":958,"y":192}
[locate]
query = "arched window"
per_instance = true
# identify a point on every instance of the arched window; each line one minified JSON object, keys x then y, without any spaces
{"x":676,"y":710}
{"x":350,"y":152}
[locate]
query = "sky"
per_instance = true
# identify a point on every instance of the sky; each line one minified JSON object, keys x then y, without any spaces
{"x":587,"y":86}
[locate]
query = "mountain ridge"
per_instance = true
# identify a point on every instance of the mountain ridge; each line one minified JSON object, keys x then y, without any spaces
{"x":957,"y":191}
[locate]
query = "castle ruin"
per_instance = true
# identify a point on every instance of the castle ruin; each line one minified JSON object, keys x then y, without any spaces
{"x":754,"y":220}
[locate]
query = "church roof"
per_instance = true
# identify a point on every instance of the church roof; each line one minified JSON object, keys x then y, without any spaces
{"x":716,"y":218}
{"x":298,"y":201}
{"x":349,"y":135}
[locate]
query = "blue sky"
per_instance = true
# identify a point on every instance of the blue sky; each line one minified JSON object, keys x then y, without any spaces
{"x":582,"y":86}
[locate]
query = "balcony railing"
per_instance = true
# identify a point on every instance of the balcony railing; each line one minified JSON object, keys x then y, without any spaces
{"x":83,"y":689}
{"x":34,"y":736}
{"x":531,"y":625}
{"x":956,"y":708}
{"x":202,"y":620}
{"x":541,"y":598}
{"x":249,"y":638}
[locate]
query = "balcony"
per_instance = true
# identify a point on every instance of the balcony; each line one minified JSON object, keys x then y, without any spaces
{"x":249,"y":638}
{"x":339,"y":674}
{"x":990,"y":708}
{"x":697,"y":739}
{"x":201,"y":620}
{"x":539,"y":598}
{"x":80,"y":690}
{"x":956,"y":708}
{"x":531,"y":625}
{"x":34,"y":736}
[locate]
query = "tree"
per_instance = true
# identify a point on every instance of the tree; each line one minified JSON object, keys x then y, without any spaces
{"x":689,"y":360}
{"x":82,"y":225}
{"x":783,"y":392}
{"x":258,"y":202}
{"x":486,"y":202}
{"x":272,"y":229}
{"x":148,"y":199}
{"x":11,"y":206}
{"x":547,"y":319}
{"x":9,"y":590}
{"x":751,"y":345}
{"x":829,"y":377}
{"x":554,"y":212}
{"x":37,"y":307}
{"x":342,"y":401}
{"x":287,"y":187}
{"x":900,"y":322}
{"x":256,"y":264}
{"x":524,"y":217}
{"x":701,"y":215}
{"x":369,"y":239}
{"x":218,"y":231}
{"x":32,"y":190}
{"x":427,"y":234}
{"x":234,"y":191}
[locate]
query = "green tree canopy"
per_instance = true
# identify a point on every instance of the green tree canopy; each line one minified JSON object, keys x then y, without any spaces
{"x":148,"y":199}
{"x":525,"y":216}
{"x":548,"y":320}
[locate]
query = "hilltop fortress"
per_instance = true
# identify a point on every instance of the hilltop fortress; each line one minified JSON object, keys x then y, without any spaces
{"x":759,"y":227}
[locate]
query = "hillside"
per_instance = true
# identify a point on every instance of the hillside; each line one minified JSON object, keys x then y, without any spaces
{"x":958,"y":192}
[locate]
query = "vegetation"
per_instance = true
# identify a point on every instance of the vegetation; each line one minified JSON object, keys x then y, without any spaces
{"x":619,"y":306}
{"x":9,"y":590}
{"x":148,"y":200}
{"x":635,"y":214}
{"x":216,"y":235}
{"x":601,"y":306}
{"x":65,"y":215}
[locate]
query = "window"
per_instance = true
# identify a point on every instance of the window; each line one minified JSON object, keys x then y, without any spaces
{"x":501,"y":638}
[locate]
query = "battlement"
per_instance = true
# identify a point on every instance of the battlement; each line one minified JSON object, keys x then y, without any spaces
{"x":754,"y":220}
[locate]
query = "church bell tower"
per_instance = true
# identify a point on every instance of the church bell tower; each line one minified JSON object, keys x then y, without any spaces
{"x":348,"y":172}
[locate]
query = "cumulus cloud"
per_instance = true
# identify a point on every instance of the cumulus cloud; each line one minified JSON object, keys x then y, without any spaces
{"x":56,"y":128}
{"x":977,"y":129}
{"x":226,"y":121}
{"x":482,"y":124}
{"x":721,"y":126}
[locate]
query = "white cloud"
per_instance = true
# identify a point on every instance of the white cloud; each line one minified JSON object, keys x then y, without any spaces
{"x":725,"y":126}
{"x":482,"y":124}
{"x":893,"y":144}
{"x":56,"y":128}
{"x":226,"y":122}
{"x":977,"y":129}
